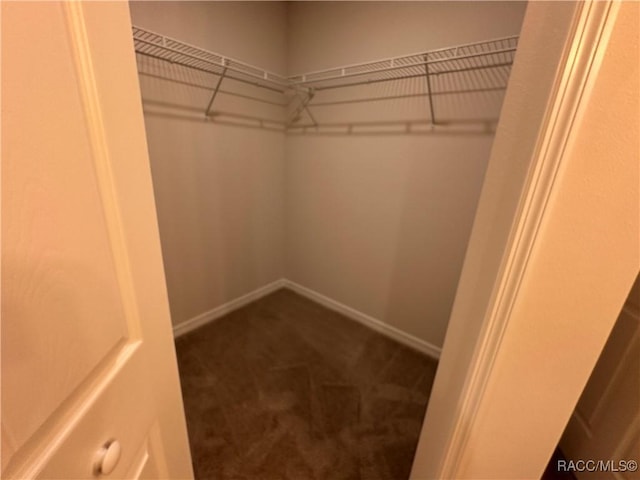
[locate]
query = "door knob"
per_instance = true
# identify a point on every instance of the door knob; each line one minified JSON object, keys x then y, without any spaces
{"x":107,"y":458}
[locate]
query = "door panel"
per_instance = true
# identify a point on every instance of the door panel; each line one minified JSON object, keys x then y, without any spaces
{"x":631,"y":450}
{"x":110,"y":415}
{"x":611,"y":361}
{"x":57,"y":260}
{"x":606,"y":422}
{"x":87,"y":355}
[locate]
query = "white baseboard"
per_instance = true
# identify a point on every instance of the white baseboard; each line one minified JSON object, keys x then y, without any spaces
{"x":373,"y":323}
{"x":206,"y":317}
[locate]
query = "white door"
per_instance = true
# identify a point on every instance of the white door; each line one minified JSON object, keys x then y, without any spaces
{"x":606,"y":422}
{"x":87,"y":352}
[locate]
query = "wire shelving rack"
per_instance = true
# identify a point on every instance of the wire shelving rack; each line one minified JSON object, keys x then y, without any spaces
{"x":462,"y":69}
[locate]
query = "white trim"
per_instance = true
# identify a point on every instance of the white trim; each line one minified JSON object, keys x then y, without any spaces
{"x":582,"y":422}
{"x":373,"y":323}
{"x":368,"y":321}
{"x":624,"y":448}
{"x":225,"y":308}
{"x":567,"y":102}
{"x":631,"y":310}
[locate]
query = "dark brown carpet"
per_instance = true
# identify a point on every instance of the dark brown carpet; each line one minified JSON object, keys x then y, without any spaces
{"x":287,"y":389}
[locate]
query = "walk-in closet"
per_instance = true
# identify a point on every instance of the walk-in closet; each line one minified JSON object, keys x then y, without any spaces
{"x":319,"y":240}
{"x":316,"y":168}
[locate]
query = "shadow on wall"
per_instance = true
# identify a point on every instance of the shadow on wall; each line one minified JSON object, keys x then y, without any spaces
{"x":175,"y":91}
{"x":462,"y":95}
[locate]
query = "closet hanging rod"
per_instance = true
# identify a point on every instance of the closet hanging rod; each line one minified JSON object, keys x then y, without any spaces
{"x":210,"y":88}
{"x":162,"y":47}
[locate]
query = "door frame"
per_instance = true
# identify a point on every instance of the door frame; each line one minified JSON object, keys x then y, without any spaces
{"x":455,"y":425}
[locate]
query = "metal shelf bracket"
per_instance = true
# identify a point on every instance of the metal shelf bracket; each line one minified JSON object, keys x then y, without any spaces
{"x":429,"y":94}
{"x":304,"y":105}
{"x":216,"y":89}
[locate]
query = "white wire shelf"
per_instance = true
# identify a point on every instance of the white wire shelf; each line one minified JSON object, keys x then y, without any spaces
{"x":492,"y":54}
{"x":162,"y":47}
{"x":474,"y":75}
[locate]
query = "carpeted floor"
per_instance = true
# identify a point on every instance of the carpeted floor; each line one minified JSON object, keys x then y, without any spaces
{"x":287,"y":389}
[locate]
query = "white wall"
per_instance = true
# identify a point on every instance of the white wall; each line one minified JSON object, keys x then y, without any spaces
{"x":381,"y":222}
{"x":219,"y":189}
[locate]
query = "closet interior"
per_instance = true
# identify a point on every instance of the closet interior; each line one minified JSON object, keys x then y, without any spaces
{"x":316,"y":181}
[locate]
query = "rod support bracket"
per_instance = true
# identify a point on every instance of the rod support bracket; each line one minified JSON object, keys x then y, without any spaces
{"x":217,"y":88}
